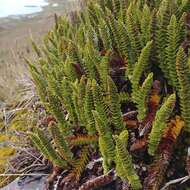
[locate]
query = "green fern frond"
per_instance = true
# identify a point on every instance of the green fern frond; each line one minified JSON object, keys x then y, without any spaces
{"x":69,"y":70}
{"x":106,"y":144}
{"x":60,"y":143}
{"x":36,"y":48}
{"x":103,"y":70}
{"x":99,"y":103}
{"x":183,"y":6}
{"x":160,"y":123}
{"x":90,"y":60}
{"x":133,"y":33}
{"x":78,"y":96}
{"x":41,"y":83}
{"x":124,"y":97}
{"x":44,"y":145}
{"x":182,"y":27}
{"x":142,"y":103}
{"x":81,"y":99}
{"x":80,"y":164}
{"x":105,"y":34}
{"x":88,"y":107}
{"x":35,"y":139}
{"x":113,"y":29}
{"x":124,"y":165}
{"x":67,"y":99}
{"x":55,"y":107}
{"x":114,"y":105}
{"x":116,"y":7}
{"x":171,"y":49}
{"x":54,"y":85}
{"x":141,"y":65}
{"x":146,"y":25}
{"x":122,"y":11}
{"x":72,"y":51}
{"x":124,"y":47}
{"x":163,"y":20}
{"x":183,"y":73}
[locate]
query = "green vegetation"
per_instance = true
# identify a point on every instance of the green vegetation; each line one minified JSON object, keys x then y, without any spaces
{"x":103,"y":61}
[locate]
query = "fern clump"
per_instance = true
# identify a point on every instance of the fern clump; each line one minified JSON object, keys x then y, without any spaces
{"x":102,"y":75}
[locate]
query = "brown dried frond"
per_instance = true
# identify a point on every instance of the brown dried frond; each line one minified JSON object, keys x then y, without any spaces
{"x":158,"y":168}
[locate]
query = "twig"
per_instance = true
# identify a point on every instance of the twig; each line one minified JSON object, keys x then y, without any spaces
{"x":30,"y":154}
{"x":125,"y":185}
{"x":130,"y":113}
{"x":188,"y":161}
{"x":99,"y":181}
{"x":182,"y":180}
{"x":32,"y":174}
{"x":5,"y":120}
{"x":56,"y":186}
{"x":91,"y":164}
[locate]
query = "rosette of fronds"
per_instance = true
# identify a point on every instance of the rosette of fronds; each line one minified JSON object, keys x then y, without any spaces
{"x":124,"y":166}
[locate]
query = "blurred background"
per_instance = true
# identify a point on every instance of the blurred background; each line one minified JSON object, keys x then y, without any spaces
{"x":19,"y":20}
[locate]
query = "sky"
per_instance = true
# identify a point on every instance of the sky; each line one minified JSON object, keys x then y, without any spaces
{"x":17,"y":7}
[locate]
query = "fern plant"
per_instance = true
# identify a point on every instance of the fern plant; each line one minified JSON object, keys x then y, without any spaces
{"x":99,"y":65}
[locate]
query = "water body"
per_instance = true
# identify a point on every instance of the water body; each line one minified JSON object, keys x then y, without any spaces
{"x":20,"y":7}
